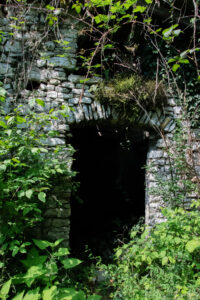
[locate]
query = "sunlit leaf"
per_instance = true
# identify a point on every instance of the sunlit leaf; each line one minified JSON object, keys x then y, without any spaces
{"x":5,"y":289}
{"x":41,"y":244}
{"x":49,"y":293}
{"x":69,"y":263}
{"x":29,"y":193}
{"x":42,"y":197}
{"x":175,"y":67}
{"x":192,"y":245}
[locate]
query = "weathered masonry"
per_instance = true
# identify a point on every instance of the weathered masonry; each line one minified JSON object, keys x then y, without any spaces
{"x":32,"y":65}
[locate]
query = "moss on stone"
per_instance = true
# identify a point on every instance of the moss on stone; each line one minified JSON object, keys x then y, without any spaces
{"x":131,"y":95}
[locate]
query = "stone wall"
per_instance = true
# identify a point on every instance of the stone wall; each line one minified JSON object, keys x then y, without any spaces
{"x":32,"y":65}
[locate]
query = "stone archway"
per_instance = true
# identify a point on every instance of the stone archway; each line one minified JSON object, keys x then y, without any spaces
{"x":52,"y":78}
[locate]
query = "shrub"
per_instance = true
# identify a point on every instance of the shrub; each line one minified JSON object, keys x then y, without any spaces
{"x":162,"y":263}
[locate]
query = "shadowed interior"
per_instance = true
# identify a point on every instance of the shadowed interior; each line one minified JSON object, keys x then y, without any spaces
{"x":111,"y":196}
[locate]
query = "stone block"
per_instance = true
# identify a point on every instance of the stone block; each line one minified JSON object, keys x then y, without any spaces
{"x":58,"y":75}
{"x":78,"y":114}
{"x":50,"y":46}
{"x":75,"y":78}
{"x":94,"y":80}
{"x":73,"y":101}
{"x":50,"y":87}
{"x":41,"y":63}
{"x":13,"y":46}
{"x":65,"y":96}
{"x":43,"y":87}
{"x":54,"y":141}
{"x":61,"y":89}
{"x":88,"y":94}
{"x":155,"y":154}
{"x":57,"y":212}
{"x":52,"y":94}
{"x":86,"y":100}
{"x":86,"y":112}
{"x":54,"y":81}
{"x":6,"y":70}
{"x":77,"y":91}
{"x":64,"y":62}
{"x":69,"y":85}
{"x":38,"y":75}
{"x":81,"y":85}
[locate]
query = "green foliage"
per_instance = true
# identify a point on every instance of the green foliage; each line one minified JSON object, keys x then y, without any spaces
{"x":31,"y":268}
{"x":130,"y":95}
{"x":162,"y":263}
{"x":27,"y":172}
{"x":43,"y":275}
{"x":177,"y":186}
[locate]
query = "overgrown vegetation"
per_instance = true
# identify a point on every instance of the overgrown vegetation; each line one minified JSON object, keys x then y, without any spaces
{"x":31,"y":268}
{"x":131,"y":95}
{"x":159,"y":264}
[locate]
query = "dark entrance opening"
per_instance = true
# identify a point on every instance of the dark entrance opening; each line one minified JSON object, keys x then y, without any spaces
{"x":111,"y":197}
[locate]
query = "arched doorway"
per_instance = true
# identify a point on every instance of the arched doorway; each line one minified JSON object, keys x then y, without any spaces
{"x":109,"y":160}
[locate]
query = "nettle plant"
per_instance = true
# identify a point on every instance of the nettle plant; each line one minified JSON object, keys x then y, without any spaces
{"x":162,"y":263}
{"x":27,"y":171}
{"x":33,"y":268}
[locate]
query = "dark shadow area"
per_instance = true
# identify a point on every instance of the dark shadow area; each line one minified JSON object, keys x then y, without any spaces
{"x":111,"y":196}
{"x":32,"y":85}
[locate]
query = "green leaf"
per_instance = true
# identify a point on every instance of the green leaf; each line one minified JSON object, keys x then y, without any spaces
{"x":3,"y":167}
{"x":164,"y":261}
{"x":94,"y":297}
{"x":175,"y":67}
{"x":56,"y":243}
{"x":42,"y":197}
{"x":33,"y":273}
{"x":20,"y":119}
{"x":97,"y":19}
{"x":192,"y":245}
{"x":49,"y":293}
{"x":162,"y":254}
{"x":71,"y":262}
{"x":20,"y":194}
{"x":19,"y":296}
{"x":184,"y":61}
{"x":118,"y":252}
{"x":33,"y":258}
{"x":42,"y":244}
{"x":5,"y":289}
{"x":177,"y":32}
{"x":148,"y":1}
{"x":8,"y":132}
{"x":78,"y":9}
{"x":29,"y":194}
{"x":3,"y":124}
{"x":15,"y":250}
{"x":40,"y":102}
{"x":140,"y":9}
{"x":62,"y":252}
{"x":171,"y":60}
{"x":33,"y":294}
{"x":50,"y":7}
{"x":70,"y":294}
